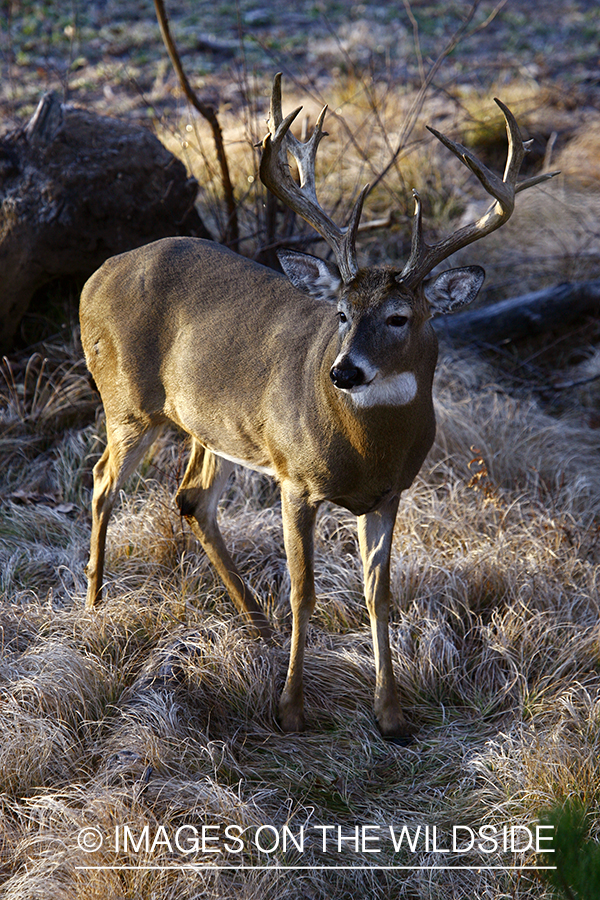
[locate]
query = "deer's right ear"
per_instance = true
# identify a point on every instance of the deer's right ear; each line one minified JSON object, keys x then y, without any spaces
{"x":310,"y":274}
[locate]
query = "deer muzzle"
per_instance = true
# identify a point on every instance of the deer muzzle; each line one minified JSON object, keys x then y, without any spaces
{"x":346,"y":376}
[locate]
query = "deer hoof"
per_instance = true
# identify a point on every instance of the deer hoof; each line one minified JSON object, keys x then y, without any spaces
{"x":291,"y":719}
{"x":400,"y":740}
{"x":395,"y":730}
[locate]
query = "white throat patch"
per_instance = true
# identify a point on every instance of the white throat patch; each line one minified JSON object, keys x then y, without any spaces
{"x":397,"y":390}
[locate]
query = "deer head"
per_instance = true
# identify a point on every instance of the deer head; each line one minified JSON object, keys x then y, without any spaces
{"x":406,"y":294}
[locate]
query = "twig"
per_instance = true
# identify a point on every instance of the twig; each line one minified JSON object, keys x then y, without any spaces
{"x":419,"y":100}
{"x":426,"y":80}
{"x":231,"y":236}
{"x":563,"y":385}
{"x":416,"y":39}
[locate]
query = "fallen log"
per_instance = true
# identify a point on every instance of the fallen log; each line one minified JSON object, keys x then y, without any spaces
{"x":525,"y":316}
{"x":76,"y":188}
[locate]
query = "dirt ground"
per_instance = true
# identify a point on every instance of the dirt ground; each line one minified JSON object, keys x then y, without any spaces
{"x":108,"y":54}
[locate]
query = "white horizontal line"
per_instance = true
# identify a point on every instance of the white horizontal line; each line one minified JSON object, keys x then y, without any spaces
{"x":276,"y":868}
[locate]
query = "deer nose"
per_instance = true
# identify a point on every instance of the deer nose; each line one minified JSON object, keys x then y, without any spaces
{"x":346,"y":376}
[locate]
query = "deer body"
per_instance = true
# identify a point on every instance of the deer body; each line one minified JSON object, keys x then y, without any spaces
{"x":279,"y":346}
{"x":323,"y":380}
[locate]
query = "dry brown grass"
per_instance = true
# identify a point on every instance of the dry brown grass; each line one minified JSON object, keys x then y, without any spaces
{"x":158,"y":709}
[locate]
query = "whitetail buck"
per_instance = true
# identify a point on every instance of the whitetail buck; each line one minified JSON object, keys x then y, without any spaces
{"x":323,"y":381}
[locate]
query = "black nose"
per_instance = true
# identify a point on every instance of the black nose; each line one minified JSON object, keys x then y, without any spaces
{"x":346,"y":376}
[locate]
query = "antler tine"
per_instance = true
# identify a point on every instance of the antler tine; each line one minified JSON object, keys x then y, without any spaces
{"x":302,"y":198}
{"x":424,"y":258}
{"x":275,"y":111}
{"x":517,"y":147}
{"x":417,"y":243}
{"x":305,"y":154}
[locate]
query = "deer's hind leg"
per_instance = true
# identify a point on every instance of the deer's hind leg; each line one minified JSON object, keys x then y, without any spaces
{"x":126,"y":445}
{"x":198,"y":497}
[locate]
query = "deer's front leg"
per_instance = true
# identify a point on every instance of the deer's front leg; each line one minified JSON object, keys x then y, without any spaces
{"x":298,"y":534}
{"x":375,"y":531}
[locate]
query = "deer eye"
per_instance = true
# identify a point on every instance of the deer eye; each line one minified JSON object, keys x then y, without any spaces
{"x":397,"y":321}
{"x":342,"y":316}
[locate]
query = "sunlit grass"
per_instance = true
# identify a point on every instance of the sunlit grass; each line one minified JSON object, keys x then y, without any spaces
{"x":159,"y":709}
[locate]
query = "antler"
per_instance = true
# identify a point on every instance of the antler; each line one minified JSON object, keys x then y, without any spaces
{"x":423,"y":258}
{"x":302,"y":198}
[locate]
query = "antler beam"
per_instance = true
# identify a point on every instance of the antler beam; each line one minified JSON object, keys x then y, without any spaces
{"x":302,"y":198}
{"x":425,"y":257}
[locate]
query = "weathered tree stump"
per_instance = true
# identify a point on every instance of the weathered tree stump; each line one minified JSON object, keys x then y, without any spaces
{"x":76,"y":188}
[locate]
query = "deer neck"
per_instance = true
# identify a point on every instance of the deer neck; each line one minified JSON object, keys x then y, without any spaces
{"x":389,"y":435}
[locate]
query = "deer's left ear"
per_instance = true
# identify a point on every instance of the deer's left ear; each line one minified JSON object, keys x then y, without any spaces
{"x":453,"y":289}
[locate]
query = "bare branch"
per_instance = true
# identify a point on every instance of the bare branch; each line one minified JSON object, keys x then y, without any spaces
{"x":231,"y":236}
{"x":549,"y":309}
{"x":417,"y":105}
